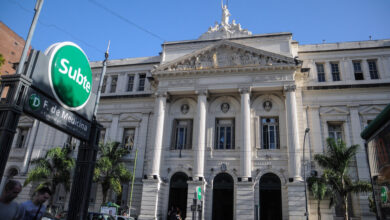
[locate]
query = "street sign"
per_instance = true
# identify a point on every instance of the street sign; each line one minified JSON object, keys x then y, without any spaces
{"x":384,"y":195}
{"x":199,"y":193}
{"x":49,"y":111}
{"x":70,"y":75}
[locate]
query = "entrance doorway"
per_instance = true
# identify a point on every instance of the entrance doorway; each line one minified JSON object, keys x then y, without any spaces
{"x":270,"y":197}
{"x":223,"y":190}
{"x":178,"y":189}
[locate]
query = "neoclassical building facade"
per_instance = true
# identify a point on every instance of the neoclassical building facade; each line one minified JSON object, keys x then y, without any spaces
{"x":228,"y":113}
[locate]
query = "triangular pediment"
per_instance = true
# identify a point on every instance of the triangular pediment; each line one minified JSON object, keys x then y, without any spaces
{"x":334,"y":111}
{"x":227,"y":54}
{"x":372,"y":110}
{"x":128,"y":117}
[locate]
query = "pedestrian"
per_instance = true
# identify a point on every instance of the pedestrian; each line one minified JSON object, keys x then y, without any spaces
{"x":34,"y":208}
{"x":10,"y":210}
{"x":178,"y":214}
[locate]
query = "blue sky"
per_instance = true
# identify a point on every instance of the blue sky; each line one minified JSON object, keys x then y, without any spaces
{"x":138,"y":28}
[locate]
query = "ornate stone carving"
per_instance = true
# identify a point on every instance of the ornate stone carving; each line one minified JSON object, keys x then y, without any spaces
{"x":267,"y":105}
{"x":184,"y":109}
{"x":225,"y":107}
{"x":225,"y":29}
{"x":289,"y":88}
{"x":244,"y":90}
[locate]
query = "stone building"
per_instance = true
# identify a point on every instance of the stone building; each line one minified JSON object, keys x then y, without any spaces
{"x":227,"y":112}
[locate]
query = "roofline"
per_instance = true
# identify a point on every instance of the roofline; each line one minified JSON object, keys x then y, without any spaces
{"x":233,"y":38}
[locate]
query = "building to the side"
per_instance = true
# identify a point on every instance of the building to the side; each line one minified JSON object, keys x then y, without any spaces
{"x":227,"y":112}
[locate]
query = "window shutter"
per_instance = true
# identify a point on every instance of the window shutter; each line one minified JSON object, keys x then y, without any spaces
{"x":189,"y":135}
{"x":173,"y":135}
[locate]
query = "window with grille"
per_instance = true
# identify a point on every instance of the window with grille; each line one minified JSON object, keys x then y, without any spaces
{"x":130,"y":83}
{"x":141,"y":83}
{"x":320,"y":72}
{"x":128,"y":138}
{"x":22,"y":137}
{"x":270,"y":132}
{"x":335,"y":131}
{"x":114,"y":81}
{"x":335,"y":71}
{"x":357,"y":68}
{"x":224,"y":134}
{"x":373,"y":69}
{"x":182,"y":134}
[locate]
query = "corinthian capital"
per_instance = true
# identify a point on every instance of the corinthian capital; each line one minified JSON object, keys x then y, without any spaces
{"x":159,"y":94}
{"x":289,"y":88}
{"x":203,"y":92}
{"x":244,"y":90}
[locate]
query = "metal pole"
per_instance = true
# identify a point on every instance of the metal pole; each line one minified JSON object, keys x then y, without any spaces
{"x":304,"y":172}
{"x":38,"y":7}
{"x":101,"y":80}
{"x":132,"y":181}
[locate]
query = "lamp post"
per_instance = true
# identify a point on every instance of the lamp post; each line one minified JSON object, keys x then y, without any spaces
{"x":304,"y":172}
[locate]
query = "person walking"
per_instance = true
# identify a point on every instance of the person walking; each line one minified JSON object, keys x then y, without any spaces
{"x":34,"y":208}
{"x":10,"y":210}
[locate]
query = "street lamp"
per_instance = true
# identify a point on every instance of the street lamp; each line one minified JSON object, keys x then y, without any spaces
{"x":304,"y":172}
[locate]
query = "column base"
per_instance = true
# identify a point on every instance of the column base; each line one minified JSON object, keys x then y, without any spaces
{"x":150,"y":197}
{"x":245,"y":201}
{"x":296,"y":201}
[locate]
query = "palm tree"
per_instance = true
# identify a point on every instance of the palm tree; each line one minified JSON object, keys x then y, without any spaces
{"x":320,"y":190}
{"x":335,"y":163}
{"x":110,"y":171}
{"x":52,"y":170}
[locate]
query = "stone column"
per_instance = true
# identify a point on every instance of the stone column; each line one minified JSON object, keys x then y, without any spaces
{"x":151,"y":190}
{"x":294,"y":148}
{"x":245,"y":200}
{"x":245,"y":150}
{"x":141,"y":144}
{"x":30,"y":147}
{"x":159,"y":111}
{"x":200,"y":130}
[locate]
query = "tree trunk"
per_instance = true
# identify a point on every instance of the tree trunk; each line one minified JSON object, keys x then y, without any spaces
{"x":345,"y":201}
{"x":319,"y":209}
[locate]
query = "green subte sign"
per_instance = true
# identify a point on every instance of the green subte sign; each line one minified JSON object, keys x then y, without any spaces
{"x":70,"y":75}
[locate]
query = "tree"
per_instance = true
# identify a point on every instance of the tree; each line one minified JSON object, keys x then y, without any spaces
{"x":2,"y":60}
{"x":335,"y":163}
{"x":320,"y":190}
{"x":110,"y":171}
{"x":52,"y":170}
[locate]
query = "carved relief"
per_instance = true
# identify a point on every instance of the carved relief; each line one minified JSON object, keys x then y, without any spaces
{"x":225,"y":107}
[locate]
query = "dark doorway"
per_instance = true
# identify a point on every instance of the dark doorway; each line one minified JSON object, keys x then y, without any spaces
{"x":223,"y":190}
{"x":178,"y":189}
{"x":270,"y":197}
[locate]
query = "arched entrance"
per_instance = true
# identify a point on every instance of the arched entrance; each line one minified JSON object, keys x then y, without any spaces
{"x":223,"y":190}
{"x":178,"y":189}
{"x":270,"y":197}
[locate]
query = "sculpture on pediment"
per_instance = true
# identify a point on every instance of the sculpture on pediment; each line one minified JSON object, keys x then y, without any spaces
{"x":225,"y":15}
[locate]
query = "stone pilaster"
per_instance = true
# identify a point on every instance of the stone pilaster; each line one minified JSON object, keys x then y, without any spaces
{"x":315,"y":129}
{"x":141,"y":143}
{"x":294,"y":148}
{"x":245,"y":150}
{"x":245,"y":201}
{"x":114,"y":127}
{"x":200,"y":140}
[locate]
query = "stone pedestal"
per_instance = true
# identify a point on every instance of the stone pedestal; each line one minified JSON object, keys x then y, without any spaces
{"x":296,"y":201}
{"x":150,"y":199}
{"x":245,"y":201}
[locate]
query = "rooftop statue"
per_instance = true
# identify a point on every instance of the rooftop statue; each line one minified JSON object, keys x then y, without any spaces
{"x":225,"y":29}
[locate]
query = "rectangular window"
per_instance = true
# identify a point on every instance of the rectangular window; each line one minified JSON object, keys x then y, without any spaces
{"x":130,"y":83}
{"x":128,"y":138}
{"x":182,"y":134}
{"x":141,"y":83}
{"x":373,"y":69}
{"x":270,"y":132}
{"x":335,"y":131}
{"x":335,"y":71}
{"x":357,"y":68}
{"x":114,"y":81}
{"x":22,"y":137}
{"x":104,"y":85}
{"x":320,"y":72}
{"x":224,"y":134}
